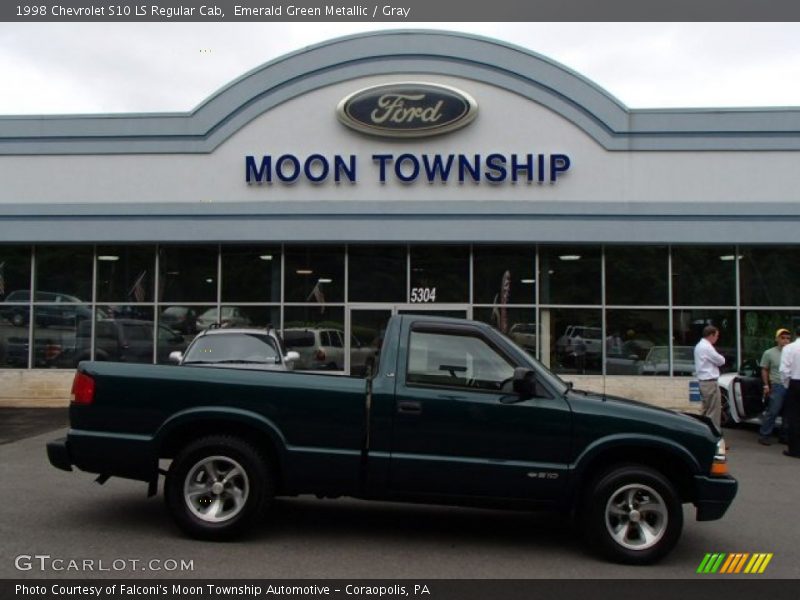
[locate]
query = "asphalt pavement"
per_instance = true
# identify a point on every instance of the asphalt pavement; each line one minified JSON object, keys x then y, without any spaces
{"x":71,"y":519}
{"x":21,"y":423}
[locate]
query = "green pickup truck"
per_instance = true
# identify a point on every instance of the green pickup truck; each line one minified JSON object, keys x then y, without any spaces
{"x":451,"y":412}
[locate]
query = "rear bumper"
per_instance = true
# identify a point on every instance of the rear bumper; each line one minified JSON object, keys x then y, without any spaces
{"x":713,"y":496}
{"x":128,"y":456}
{"x":58,"y":454}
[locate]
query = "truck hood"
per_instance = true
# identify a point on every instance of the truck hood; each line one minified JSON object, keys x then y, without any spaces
{"x":620,"y":406}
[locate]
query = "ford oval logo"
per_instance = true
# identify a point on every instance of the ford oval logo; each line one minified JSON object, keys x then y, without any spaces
{"x":407,"y":109}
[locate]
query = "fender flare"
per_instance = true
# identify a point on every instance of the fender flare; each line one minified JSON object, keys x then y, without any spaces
{"x":609,"y":443}
{"x":221,"y":414}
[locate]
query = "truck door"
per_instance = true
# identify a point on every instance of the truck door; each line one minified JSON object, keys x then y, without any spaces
{"x":456,"y":432}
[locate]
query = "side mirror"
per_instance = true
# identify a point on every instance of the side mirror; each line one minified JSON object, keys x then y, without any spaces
{"x":291,"y":356}
{"x":524,"y":383}
{"x":176,"y":357}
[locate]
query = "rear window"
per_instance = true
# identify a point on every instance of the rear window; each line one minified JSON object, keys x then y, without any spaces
{"x":233,"y":347}
{"x":298,"y":339}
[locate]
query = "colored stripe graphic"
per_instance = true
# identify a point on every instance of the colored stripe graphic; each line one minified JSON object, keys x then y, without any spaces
{"x":734,"y":563}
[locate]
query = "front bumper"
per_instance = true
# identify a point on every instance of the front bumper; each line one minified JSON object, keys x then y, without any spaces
{"x":713,"y":496}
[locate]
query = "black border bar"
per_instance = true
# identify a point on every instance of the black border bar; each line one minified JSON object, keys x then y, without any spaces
{"x":397,"y":11}
{"x":734,"y":587}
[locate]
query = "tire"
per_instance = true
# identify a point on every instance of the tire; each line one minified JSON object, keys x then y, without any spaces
{"x":18,"y":320}
{"x":236,"y":499}
{"x":627,"y":504}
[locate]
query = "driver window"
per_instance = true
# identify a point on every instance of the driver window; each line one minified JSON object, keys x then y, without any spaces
{"x":456,"y":360}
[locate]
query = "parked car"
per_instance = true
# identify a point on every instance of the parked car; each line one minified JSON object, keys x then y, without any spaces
{"x":62,"y":309}
{"x":742,"y":395}
{"x":123,"y":340}
{"x":49,"y":351}
{"x":323,"y":349}
{"x":231,"y":316}
{"x":629,"y":358}
{"x":237,"y":348}
{"x":657,"y":361}
{"x":180,"y":318}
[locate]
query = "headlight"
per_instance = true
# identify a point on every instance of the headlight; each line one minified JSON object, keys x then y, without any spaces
{"x":719,"y":466}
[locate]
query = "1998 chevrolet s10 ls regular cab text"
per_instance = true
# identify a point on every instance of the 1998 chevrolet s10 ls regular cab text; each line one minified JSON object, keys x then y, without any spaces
{"x":455,"y":413}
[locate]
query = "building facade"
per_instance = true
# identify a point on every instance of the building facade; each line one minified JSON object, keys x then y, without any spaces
{"x":407,"y":171}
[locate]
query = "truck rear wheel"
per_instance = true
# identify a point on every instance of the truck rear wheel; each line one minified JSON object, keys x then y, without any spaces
{"x":633,"y":515}
{"x":217,"y":487}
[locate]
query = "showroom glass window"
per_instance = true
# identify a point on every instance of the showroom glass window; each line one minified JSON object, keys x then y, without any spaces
{"x":637,"y":342}
{"x":704,"y":276}
{"x":636,"y":275}
{"x":314,"y":274}
{"x":63,"y":273}
{"x":569,"y":275}
{"x":316,"y":333}
{"x":15,"y":295}
{"x":439,"y":274}
{"x":572,"y":340}
{"x":188,"y":273}
{"x":768,"y":276}
{"x":251,"y":274}
{"x":504,"y":275}
{"x":125,"y":273}
{"x":519,"y":324}
{"x":377,"y":273}
{"x":62,"y":302}
{"x":758,"y":327}
{"x":687,"y":328}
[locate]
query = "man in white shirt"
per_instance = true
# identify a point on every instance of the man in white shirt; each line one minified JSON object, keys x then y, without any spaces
{"x":707,"y":362}
{"x":790,"y":374}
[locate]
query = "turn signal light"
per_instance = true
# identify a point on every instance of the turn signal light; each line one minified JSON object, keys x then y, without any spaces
{"x":719,"y":468}
{"x":82,"y":389}
{"x":719,"y":465}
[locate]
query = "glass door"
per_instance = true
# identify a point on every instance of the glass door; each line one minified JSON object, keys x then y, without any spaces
{"x":366,"y":329}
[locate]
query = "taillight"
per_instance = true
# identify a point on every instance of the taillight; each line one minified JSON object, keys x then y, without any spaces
{"x":82,"y":389}
{"x":320,"y":355}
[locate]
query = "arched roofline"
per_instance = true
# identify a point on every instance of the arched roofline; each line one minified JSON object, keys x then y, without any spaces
{"x":426,"y":53}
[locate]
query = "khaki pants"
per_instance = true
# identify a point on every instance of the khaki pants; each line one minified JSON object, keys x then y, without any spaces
{"x":712,"y":404}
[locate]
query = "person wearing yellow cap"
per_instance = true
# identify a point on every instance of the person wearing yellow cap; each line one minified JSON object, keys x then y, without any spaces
{"x":774,"y":390}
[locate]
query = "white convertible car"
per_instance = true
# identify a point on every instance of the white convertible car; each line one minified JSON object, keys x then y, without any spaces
{"x":742,"y":395}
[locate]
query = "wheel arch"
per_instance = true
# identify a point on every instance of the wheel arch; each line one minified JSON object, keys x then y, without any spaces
{"x":668,"y":458}
{"x":185,"y":427}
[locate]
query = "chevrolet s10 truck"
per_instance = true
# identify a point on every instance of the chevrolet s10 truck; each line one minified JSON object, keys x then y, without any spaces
{"x":453,"y":412}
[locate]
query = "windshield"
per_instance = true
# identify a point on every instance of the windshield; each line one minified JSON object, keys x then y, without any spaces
{"x":233,"y":347}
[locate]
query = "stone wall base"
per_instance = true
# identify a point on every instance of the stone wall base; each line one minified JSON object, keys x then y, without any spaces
{"x":35,"y":388}
{"x":665,"y":392}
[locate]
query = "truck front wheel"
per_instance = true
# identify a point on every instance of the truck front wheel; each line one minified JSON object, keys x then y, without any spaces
{"x":217,"y":487}
{"x":633,"y":515}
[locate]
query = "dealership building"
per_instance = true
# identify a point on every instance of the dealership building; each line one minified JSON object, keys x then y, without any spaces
{"x":401,"y":172}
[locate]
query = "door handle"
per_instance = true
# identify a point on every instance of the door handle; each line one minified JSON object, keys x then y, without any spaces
{"x":409,"y":408}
